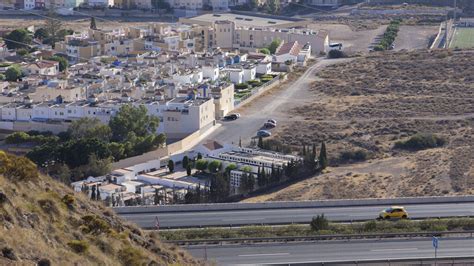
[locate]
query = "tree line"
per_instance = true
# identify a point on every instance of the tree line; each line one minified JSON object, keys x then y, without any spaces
{"x":89,"y":146}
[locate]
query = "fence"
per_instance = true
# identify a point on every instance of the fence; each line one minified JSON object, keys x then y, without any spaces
{"x":259,"y":90}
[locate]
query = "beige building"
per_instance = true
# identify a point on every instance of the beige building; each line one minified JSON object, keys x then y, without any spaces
{"x":45,"y":93}
{"x":228,"y":36}
{"x":223,"y":100}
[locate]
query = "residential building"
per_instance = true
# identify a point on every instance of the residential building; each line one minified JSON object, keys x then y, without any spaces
{"x":40,"y":4}
{"x":43,"y":67}
{"x":28,"y":4}
{"x":287,"y":52}
{"x":100,"y":3}
{"x":236,"y":75}
{"x":223,"y":96}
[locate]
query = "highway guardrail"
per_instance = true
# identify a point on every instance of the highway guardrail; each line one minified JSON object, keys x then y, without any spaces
{"x":444,"y":260}
{"x":221,"y":241}
{"x":291,"y":204}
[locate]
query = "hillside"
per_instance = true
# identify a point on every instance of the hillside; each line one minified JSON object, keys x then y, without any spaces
{"x":366,"y":108}
{"x":43,"y":222}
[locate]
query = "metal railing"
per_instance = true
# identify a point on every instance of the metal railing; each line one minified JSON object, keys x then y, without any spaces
{"x":284,"y":239}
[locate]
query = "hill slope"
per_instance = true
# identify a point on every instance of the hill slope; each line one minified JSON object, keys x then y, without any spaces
{"x":43,"y":222}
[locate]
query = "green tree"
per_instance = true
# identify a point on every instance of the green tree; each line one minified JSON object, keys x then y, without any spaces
{"x":185,"y":161}
{"x":201,"y":165}
{"x":132,"y":122}
{"x":63,"y":63}
{"x":273,"y":7}
{"x":323,"y":159}
{"x":76,"y":152}
{"x":19,"y":38}
{"x":13,"y":73}
{"x":230,"y":167}
{"x":274,"y":45}
{"x":117,"y":150}
{"x":171,"y":165}
{"x":96,"y":166}
{"x":53,"y":25}
{"x":243,"y":188}
{"x":188,"y":170}
{"x":41,"y":34}
{"x":214,"y":166}
{"x":260,"y":142}
{"x":319,"y":222}
{"x":93,"y":193}
{"x":250,"y":182}
{"x":93,"y":25}
{"x":265,"y":51}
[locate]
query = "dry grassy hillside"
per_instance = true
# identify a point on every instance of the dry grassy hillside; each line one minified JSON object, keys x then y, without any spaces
{"x":43,"y":222}
{"x":369,"y":104}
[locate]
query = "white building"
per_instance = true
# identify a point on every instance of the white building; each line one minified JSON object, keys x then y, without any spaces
{"x":236,"y":75}
{"x":100,"y":3}
{"x":210,"y":72}
{"x":28,"y":4}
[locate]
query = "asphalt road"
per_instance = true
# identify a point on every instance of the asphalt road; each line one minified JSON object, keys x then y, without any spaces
{"x":288,"y":216}
{"x":331,"y":251}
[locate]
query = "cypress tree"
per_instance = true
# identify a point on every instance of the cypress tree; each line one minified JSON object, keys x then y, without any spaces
{"x":260,"y":142}
{"x":93,"y":194}
{"x":323,"y":159}
{"x":93,"y":24}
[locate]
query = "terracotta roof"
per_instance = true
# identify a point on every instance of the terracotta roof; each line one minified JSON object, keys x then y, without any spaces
{"x":289,"y":48}
{"x":45,"y":64}
{"x":213,"y":145}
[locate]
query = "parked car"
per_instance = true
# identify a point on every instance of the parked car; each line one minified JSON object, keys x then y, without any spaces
{"x":269,"y":125}
{"x":263,"y":133}
{"x":394,"y":212}
{"x":231,"y":117}
{"x":272,"y":121}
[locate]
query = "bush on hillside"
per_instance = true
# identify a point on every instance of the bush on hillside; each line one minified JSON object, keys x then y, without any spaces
{"x":420,"y":142}
{"x":241,"y":86}
{"x":79,"y":246}
{"x":17,"y":168}
{"x":336,"y":54}
{"x":357,"y":155}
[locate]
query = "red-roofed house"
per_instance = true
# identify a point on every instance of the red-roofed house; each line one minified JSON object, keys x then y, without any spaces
{"x":43,"y":67}
{"x":287,"y":52}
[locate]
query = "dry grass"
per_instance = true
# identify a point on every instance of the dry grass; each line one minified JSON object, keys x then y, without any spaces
{"x":372,"y":102}
{"x":36,"y":224}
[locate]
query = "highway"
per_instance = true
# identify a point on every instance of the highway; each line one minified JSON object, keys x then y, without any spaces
{"x":331,"y":251}
{"x":289,"y":215}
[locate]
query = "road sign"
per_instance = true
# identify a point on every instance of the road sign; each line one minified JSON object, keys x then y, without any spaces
{"x":435,"y":242}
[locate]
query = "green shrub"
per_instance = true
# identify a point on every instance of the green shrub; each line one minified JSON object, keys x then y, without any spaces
{"x":131,"y":256}
{"x":69,"y":200}
{"x":241,"y":86}
{"x":93,"y":224}
{"x":17,"y":168}
{"x":201,"y":164}
{"x":420,"y":142}
{"x":336,"y":54}
{"x":48,"y":206}
{"x":319,"y":223}
{"x":370,"y":226}
{"x":78,"y":246}
{"x":357,"y":155}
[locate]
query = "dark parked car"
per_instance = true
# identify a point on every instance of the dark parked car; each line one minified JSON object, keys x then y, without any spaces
{"x":231,"y":117}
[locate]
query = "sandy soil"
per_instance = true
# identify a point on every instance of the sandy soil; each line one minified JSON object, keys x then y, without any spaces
{"x":370,"y":103}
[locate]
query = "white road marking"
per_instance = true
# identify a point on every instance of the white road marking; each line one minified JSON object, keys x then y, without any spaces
{"x":271,"y":254}
{"x":242,"y":219}
{"x":392,"y":249}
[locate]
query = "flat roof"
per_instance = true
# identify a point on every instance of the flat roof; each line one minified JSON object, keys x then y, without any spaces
{"x":242,"y":20}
